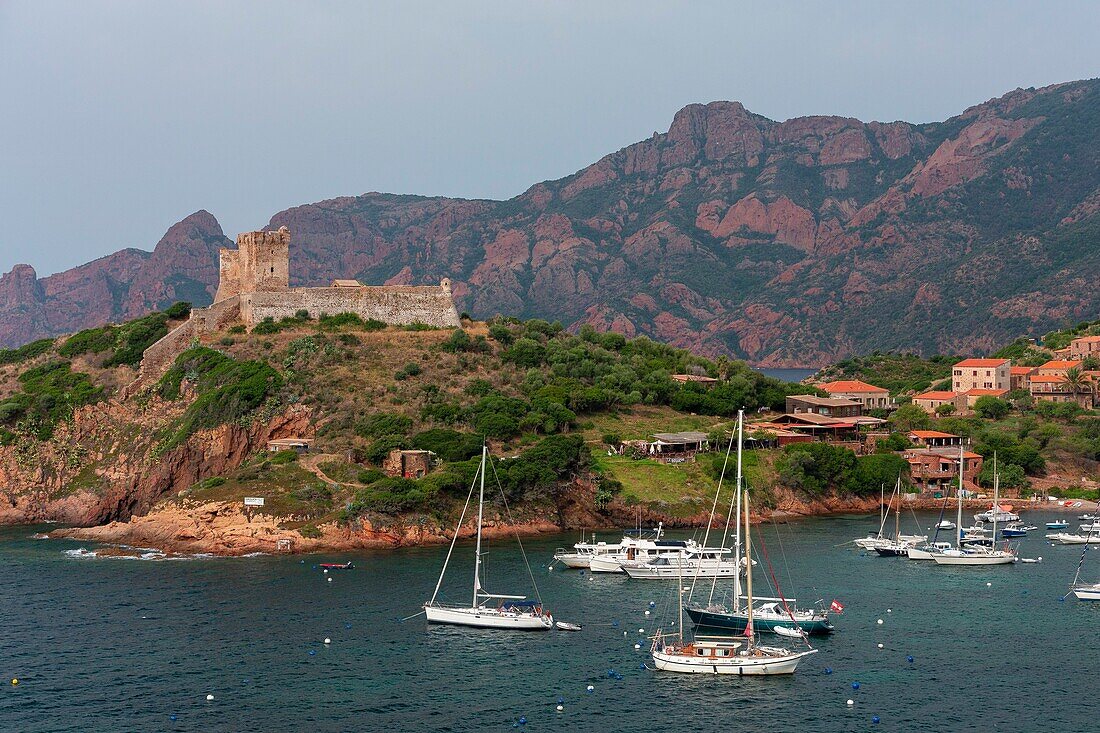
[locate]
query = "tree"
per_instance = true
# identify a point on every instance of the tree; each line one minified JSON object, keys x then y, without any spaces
{"x":945,"y":409}
{"x":910,"y":417}
{"x":871,"y":472}
{"x":1077,"y":381}
{"x":991,"y":408}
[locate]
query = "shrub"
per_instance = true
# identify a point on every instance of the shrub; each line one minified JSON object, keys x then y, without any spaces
{"x":501,"y":334}
{"x":90,"y":341}
{"x":135,"y":337}
{"x":302,"y":315}
{"x":874,"y":471}
{"x":208,"y":483}
{"x":991,"y":408}
{"x":815,"y":467}
{"x":50,"y":393}
{"x":381,"y":424}
{"x":612,"y":439}
{"x":284,"y":457}
{"x":178,"y":310}
{"x":449,"y":445}
{"x":26,"y":352}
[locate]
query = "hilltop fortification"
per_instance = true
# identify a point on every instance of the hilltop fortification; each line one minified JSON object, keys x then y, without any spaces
{"x":254,"y":285}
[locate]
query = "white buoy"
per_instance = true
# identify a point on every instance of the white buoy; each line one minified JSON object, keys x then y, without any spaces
{"x":209,"y":697}
{"x":851,"y":701}
{"x":641,"y":631}
{"x":328,"y":640}
{"x":988,"y":585}
{"x":550,"y":568}
{"x":624,"y":633}
{"x":637,"y":646}
{"x":879,"y":622}
{"x":330,"y":580}
{"x":559,"y":708}
{"x":647,"y":613}
{"x":590,"y":688}
{"x":889,"y":610}
{"x":880,"y":646}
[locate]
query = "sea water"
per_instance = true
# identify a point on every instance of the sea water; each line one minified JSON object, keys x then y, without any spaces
{"x":106,"y":644}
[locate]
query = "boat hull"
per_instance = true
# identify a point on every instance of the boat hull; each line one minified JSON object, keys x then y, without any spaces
{"x":736,"y":622}
{"x":1087,"y":592}
{"x":488,"y":618}
{"x":573,"y":560}
{"x":974,"y":559}
{"x":605,"y":565}
{"x":737,"y":665}
{"x":668,"y":572}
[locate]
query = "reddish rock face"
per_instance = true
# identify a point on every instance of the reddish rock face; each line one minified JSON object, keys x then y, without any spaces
{"x":786,"y":243}
{"x":121,"y":286}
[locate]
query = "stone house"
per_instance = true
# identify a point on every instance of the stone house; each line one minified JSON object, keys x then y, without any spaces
{"x":971,"y":374}
{"x":827,"y":406}
{"x":929,"y":401}
{"x":412,"y":464}
{"x":1019,"y":377}
{"x":936,"y":470}
{"x":973,"y":395}
{"x":870,"y":396}
{"x":1058,"y":367}
{"x":1053,"y":388}
{"x":1083,"y":347}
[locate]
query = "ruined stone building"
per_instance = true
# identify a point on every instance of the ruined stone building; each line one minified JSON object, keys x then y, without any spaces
{"x":254,"y":285}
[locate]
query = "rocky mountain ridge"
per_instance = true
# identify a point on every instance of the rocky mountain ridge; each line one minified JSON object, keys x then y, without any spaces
{"x":786,"y":243}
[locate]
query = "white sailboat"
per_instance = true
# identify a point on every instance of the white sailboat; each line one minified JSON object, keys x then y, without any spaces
{"x":970,"y":554}
{"x":723,"y":655}
{"x":510,"y":612}
{"x":1086,"y":591}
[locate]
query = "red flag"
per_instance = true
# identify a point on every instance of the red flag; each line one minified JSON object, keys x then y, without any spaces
{"x":836,"y":606}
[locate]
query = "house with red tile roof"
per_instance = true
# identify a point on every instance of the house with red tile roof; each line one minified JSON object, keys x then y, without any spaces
{"x":1083,"y":347}
{"x":1018,"y":377}
{"x":936,"y":470}
{"x":934,"y":438}
{"x":1058,"y":367}
{"x":869,"y":395}
{"x":929,"y":401}
{"x":980,"y":374}
{"x":972,"y":395}
{"x":1054,"y":388}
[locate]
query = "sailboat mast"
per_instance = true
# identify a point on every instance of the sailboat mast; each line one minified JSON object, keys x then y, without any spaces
{"x":737,"y":539}
{"x":897,"y":511}
{"x":748,"y":573}
{"x":959,"y":523}
{"x":680,"y":590}
{"x":996,"y":498}
{"x":480,"y":509}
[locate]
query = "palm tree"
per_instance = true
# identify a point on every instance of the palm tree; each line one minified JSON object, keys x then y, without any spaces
{"x":1077,"y":382}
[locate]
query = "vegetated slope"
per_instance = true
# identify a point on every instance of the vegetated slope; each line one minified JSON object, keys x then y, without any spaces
{"x":785,"y":243}
{"x":74,"y":451}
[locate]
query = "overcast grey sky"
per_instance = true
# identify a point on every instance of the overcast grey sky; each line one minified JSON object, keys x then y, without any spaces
{"x":120,"y":118}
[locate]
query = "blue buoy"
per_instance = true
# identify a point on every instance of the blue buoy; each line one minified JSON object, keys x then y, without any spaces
{"x":610,"y":673}
{"x":828,"y":670}
{"x":523,"y":720}
{"x":874,"y":720}
{"x":347,"y":626}
{"x":173,"y":717}
{"x":652,"y":604}
{"x":244,"y":681}
{"x":312,"y":652}
{"x":909,"y":659}
{"x":561,"y":700}
{"x":614,"y":624}
{"x":641,"y":665}
{"x":855,"y":685}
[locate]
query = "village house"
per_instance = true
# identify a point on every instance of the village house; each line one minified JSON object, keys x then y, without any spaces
{"x":973,"y":395}
{"x":870,"y":396}
{"x":936,"y":470}
{"x":828,"y":406}
{"x":1054,"y":388}
{"x":1058,"y":367}
{"x":412,"y":464}
{"x":971,"y":374}
{"x":930,"y":401}
{"x":933,"y":439}
{"x":770,"y":435}
{"x":1083,"y":347}
{"x":1019,"y":377}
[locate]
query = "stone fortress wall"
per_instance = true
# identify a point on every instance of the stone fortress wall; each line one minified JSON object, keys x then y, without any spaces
{"x":254,"y":285}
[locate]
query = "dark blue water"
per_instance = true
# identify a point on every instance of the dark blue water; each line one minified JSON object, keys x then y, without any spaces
{"x":122,"y":645}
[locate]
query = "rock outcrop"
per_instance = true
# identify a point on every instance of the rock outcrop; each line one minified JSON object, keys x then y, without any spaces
{"x":785,"y":243}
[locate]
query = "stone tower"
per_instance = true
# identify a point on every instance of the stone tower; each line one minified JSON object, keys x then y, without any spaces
{"x":260,"y":263}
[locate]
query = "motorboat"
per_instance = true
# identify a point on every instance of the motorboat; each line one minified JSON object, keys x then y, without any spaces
{"x":691,"y":562}
{"x":945,"y":524}
{"x":1013,"y":531}
{"x":1002,"y":514}
{"x":1060,"y":524}
{"x":337,"y":565}
{"x":1069,"y":538}
{"x":925,"y":552}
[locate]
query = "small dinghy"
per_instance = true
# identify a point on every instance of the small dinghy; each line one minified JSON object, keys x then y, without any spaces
{"x":337,"y":565}
{"x":1057,"y":525}
{"x":566,"y":626}
{"x":1031,"y":559}
{"x":787,"y":631}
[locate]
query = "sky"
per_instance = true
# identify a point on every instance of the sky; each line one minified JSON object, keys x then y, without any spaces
{"x":121,"y":118}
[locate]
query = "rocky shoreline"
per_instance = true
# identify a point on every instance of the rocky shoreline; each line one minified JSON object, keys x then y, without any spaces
{"x":224,"y":529}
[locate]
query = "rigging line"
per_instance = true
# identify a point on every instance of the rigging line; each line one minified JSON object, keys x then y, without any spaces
{"x":523,"y":553}
{"x":454,"y":539}
{"x":778,"y":590}
{"x":1084,"y":550}
{"x":783,"y":552}
{"x":403,"y":620}
{"x":729,"y":515}
{"x":713,"y":509}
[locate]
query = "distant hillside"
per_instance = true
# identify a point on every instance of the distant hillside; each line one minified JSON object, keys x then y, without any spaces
{"x":785,"y":243}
